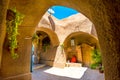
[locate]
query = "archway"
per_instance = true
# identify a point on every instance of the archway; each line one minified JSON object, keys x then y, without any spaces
{"x":81,"y":47}
{"x":45,"y":45}
{"x":53,"y":36}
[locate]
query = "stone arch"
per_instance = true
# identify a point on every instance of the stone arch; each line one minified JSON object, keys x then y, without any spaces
{"x":86,"y":36}
{"x":84,"y":44}
{"x":46,"y":47}
{"x":52,"y":35}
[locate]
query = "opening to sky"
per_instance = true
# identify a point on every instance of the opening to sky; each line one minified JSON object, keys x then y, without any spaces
{"x":61,"y":12}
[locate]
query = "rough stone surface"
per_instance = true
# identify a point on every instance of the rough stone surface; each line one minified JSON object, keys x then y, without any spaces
{"x":3,"y":10}
{"x":15,"y":69}
{"x":74,"y":23}
{"x":77,"y":26}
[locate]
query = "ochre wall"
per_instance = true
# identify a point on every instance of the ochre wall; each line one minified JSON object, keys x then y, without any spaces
{"x":52,"y":35}
{"x":47,"y":57}
{"x":79,"y":54}
{"x":106,"y":18}
{"x":86,"y":54}
{"x":74,"y":51}
{"x":20,"y":66}
{"x":83,"y":47}
{"x":3,"y":10}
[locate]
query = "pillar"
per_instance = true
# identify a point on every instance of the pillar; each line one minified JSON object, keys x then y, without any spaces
{"x":3,"y":10}
{"x":18,"y":69}
{"x":107,"y":22}
{"x":60,"y":58}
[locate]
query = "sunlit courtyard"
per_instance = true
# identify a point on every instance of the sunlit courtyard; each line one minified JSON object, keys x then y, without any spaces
{"x":59,"y":40}
{"x":71,"y":72}
{"x":67,"y":73}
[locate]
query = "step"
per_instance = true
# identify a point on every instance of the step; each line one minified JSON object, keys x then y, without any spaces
{"x":73,"y":65}
{"x":37,"y":66}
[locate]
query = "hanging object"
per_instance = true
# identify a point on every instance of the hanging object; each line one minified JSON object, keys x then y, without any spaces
{"x":72,"y":42}
{"x":51,"y":22}
{"x":13,"y":20}
{"x":50,"y":19}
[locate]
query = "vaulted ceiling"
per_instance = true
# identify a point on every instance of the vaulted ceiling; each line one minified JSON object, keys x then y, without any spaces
{"x":34,"y":10}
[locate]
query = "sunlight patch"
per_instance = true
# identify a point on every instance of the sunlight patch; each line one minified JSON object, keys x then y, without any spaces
{"x":71,"y":72}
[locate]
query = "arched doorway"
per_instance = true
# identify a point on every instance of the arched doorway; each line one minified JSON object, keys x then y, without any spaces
{"x":60,"y":59}
{"x":82,"y":47}
{"x":45,"y":46}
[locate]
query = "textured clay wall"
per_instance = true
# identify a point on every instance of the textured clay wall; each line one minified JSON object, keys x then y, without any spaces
{"x":47,"y":57}
{"x":3,"y":10}
{"x":82,"y":48}
{"x":86,"y":54}
{"x":21,"y":65}
{"x":107,"y":21}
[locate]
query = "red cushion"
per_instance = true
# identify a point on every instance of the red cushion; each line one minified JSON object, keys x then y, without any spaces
{"x":73,"y":59}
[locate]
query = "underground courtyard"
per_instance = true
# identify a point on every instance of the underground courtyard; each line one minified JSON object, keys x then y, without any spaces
{"x":36,"y":45}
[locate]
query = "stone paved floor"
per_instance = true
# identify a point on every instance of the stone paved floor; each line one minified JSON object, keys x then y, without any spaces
{"x":41,"y":74}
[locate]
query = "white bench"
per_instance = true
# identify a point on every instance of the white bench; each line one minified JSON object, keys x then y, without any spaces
{"x":69,"y":64}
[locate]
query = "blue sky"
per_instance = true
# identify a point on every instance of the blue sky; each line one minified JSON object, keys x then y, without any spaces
{"x":61,"y":12}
